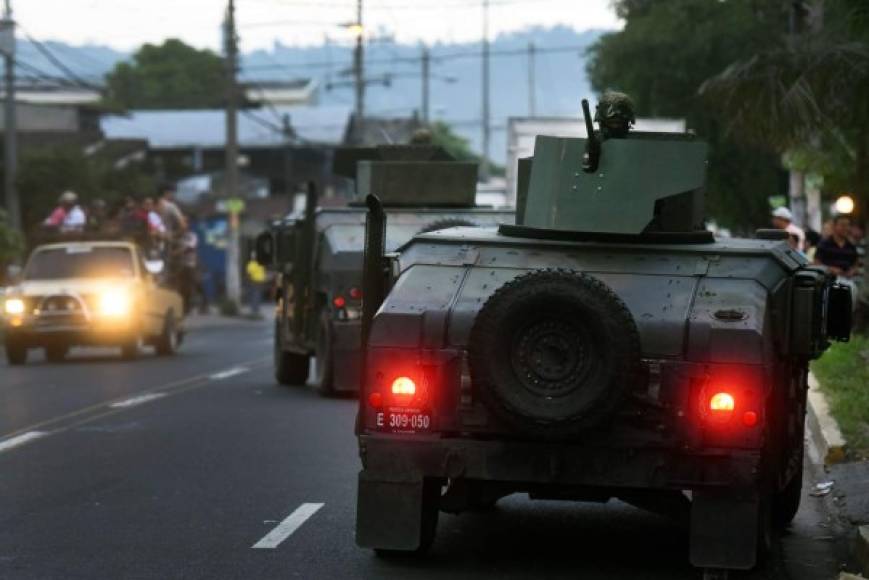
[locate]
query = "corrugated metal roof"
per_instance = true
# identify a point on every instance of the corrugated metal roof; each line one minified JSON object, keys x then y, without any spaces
{"x":180,"y":129}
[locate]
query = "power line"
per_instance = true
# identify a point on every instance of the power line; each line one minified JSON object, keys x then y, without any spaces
{"x":416,"y":59}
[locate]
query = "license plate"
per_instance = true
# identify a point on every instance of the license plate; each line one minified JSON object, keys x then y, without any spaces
{"x":404,"y":421}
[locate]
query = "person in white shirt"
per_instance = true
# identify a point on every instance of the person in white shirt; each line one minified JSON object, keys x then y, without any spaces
{"x":783,"y":219}
{"x":68,"y":216}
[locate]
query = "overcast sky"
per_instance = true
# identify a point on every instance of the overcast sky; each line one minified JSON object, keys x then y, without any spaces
{"x":125,"y":24}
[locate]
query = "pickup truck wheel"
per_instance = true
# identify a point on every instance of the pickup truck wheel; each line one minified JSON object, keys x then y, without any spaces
{"x":167,"y":343}
{"x":56,"y":353}
{"x":553,"y":353}
{"x":291,"y":369}
{"x":130,"y":350}
{"x":323,"y":360}
{"x":16,"y":353}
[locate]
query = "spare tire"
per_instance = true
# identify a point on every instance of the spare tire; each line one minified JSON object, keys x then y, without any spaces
{"x":553,"y":352}
{"x":445,"y":223}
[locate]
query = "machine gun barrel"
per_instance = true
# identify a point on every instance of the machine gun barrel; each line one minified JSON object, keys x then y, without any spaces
{"x":592,"y":145}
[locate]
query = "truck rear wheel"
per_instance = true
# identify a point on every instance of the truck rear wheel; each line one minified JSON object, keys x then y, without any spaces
{"x":291,"y":369}
{"x":553,"y":352}
{"x":16,"y":353}
{"x":324,"y":376}
{"x":786,"y":502}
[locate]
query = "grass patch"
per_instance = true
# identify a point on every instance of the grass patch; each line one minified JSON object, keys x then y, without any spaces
{"x":843,"y":372}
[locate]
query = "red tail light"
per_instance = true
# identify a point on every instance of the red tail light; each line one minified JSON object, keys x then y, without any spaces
{"x":722,"y":403}
{"x":339,"y":302}
{"x":404,"y":386}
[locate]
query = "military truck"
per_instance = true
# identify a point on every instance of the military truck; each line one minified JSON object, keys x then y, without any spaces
{"x":604,"y":346}
{"x":318,"y":255}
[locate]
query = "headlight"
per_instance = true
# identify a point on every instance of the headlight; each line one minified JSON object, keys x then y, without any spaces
{"x":114,"y":303}
{"x":14,"y":306}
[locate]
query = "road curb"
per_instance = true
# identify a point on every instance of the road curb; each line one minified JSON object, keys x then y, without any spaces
{"x":824,"y":432}
{"x":861,"y":549}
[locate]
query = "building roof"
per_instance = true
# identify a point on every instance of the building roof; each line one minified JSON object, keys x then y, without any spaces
{"x":205,"y":129}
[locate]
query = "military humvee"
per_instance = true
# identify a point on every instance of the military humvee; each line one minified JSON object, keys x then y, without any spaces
{"x":318,"y":256}
{"x":605,"y":346}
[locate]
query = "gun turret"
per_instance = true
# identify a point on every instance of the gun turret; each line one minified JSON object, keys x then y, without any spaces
{"x":615,"y":181}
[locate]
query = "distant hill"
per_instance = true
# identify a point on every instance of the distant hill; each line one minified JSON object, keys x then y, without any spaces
{"x":560,"y":72}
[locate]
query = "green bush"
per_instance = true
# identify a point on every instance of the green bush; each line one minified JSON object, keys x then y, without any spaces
{"x":843,"y":372}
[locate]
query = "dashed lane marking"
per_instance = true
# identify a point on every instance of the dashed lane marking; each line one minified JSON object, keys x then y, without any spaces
{"x":133,"y":401}
{"x":20,"y":440}
{"x":107,"y":408}
{"x":228,"y":373}
{"x":286,"y":528}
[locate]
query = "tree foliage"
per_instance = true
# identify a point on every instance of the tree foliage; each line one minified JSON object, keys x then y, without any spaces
{"x":808,"y":96}
{"x":458,"y":146}
{"x":172,"y":75}
{"x":666,"y":51}
{"x":11,"y":243}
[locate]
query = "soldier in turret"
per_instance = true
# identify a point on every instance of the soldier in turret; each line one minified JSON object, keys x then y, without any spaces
{"x":615,"y":115}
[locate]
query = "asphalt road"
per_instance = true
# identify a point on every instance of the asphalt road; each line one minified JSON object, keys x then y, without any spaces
{"x":177,"y":467}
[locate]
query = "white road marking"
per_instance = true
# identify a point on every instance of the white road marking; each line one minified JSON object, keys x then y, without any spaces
{"x":21,"y":440}
{"x":228,"y":373}
{"x":286,"y":528}
{"x":133,"y":401}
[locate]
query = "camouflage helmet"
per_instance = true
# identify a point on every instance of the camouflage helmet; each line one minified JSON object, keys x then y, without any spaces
{"x":615,"y":114}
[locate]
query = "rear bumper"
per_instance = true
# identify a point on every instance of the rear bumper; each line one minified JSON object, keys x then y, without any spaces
{"x":388,"y":458}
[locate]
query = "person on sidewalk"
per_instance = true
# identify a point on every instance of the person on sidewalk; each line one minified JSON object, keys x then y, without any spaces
{"x":783,"y":219}
{"x":839,"y":255}
{"x":256,"y":279}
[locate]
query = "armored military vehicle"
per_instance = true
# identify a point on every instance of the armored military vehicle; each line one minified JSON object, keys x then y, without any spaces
{"x":318,"y":255}
{"x":604,"y":346}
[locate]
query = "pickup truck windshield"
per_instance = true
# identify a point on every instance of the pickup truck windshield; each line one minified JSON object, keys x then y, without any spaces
{"x":80,"y":262}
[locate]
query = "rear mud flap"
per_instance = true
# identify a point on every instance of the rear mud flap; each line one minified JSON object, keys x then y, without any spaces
{"x":724,"y":530}
{"x":389,"y":514}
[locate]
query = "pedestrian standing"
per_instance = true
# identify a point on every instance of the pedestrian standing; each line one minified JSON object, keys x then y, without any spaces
{"x":839,"y":255}
{"x":256,"y":279}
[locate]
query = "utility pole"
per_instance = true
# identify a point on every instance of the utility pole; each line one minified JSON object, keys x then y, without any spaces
{"x":426,"y":83}
{"x":359,"y":65}
{"x":532,"y":79}
{"x":484,"y":165}
{"x":233,"y":262}
{"x":7,"y":45}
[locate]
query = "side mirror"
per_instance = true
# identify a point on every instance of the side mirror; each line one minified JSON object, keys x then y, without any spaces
{"x":13,"y":274}
{"x":264,"y":248}
{"x":839,"y":312}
